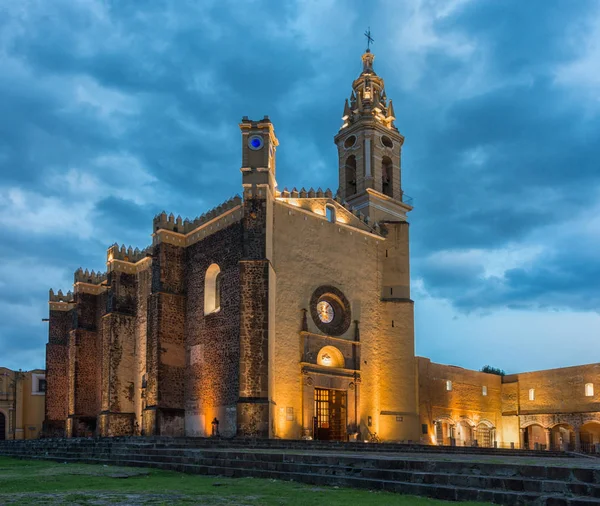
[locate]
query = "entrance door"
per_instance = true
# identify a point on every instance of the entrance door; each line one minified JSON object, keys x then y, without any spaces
{"x":330,"y":414}
{"x":2,"y":426}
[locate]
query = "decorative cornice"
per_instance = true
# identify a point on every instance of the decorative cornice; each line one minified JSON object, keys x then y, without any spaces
{"x":116,"y":265}
{"x":329,"y":371}
{"x":325,"y":337}
{"x":89,"y":288}
{"x":61,"y":306}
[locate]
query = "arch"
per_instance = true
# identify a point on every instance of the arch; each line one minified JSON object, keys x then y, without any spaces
{"x":387,"y":186}
{"x":487,"y":423}
{"x":566,"y":425}
{"x":350,"y":175}
{"x":444,"y":427}
{"x":212,"y":289}
{"x":485,"y":433}
{"x":445,"y":418}
{"x":589,"y":435}
{"x":465,"y":429}
{"x":330,"y":356}
{"x":330,"y":213}
{"x":529,"y":424}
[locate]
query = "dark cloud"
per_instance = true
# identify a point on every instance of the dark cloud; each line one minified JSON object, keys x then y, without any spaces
{"x":117,"y":113}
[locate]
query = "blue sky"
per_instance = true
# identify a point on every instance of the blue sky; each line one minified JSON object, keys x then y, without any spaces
{"x":112,"y":111}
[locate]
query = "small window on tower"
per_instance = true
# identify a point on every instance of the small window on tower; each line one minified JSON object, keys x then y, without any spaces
{"x":484,"y":390}
{"x":330,"y":213}
{"x":448,"y":385}
{"x":589,"y":390}
{"x":532,"y":394}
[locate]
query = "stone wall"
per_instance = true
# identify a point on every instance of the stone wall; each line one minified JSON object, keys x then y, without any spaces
{"x":57,"y":372}
{"x":465,"y":403}
{"x":557,"y":390}
{"x":212,"y":340}
{"x":253,"y":408}
{"x":165,"y":347}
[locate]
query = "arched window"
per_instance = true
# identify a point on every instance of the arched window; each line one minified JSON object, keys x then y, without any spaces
{"x":330,"y":356}
{"x":387,"y":176}
{"x":330,"y":213}
{"x":589,"y":390}
{"x":350,"y":176}
{"x":212,"y":289}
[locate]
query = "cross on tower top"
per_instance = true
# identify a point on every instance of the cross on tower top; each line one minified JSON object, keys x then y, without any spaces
{"x":369,"y":38}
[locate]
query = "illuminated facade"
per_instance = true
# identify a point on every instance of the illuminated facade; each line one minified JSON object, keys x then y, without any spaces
{"x":22,"y":396}
{"x":281,"y":313}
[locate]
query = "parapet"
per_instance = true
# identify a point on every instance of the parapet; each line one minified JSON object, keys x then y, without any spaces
{"x":318,"y":194}
{"x":162,"y":221}
{"x":60,"y":296}
{"x":127,"y":254}
{"x":93,"y":278}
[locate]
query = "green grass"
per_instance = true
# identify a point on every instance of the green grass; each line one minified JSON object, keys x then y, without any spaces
{"x":50,"y":483}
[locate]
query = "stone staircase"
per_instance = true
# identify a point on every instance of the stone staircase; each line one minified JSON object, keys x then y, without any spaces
{"x":455,"y":474}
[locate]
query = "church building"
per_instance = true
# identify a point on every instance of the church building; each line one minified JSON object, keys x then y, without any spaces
{"x":283,"y":313}
{"x":287,"y":314}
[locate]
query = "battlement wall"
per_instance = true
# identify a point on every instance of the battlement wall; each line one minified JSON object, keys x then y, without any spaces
{"x":127,"y":254}
{"x":93,"y":278}
{"x":162,"y":221}
{"x":60,"y":296}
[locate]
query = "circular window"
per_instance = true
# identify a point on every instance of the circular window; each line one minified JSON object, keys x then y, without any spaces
{"x":325,"y":311}
{"x":387,"y":142}
{"x":350,"y":141}
{"x":255,"y":142}
{"x":330,"y":310}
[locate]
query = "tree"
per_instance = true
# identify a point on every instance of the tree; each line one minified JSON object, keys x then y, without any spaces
{"x":492,"y":370}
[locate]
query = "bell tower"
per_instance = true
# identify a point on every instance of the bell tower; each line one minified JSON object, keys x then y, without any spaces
{"x":370,"y":150}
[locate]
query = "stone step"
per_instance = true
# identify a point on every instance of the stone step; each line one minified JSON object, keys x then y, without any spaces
{"x":487,"y":469}
{"x":439,"y":476}
{"x":446,"y":492}
{"x":292,"y":444}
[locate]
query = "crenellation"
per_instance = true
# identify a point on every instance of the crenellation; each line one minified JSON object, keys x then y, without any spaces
{"x":185,"y":226}
{"x":127,"y":254}
{"x":94,"y":278}
{"x":59,"y":296}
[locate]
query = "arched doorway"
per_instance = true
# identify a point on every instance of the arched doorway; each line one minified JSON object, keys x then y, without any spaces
{"x":444,"y":431}
{"x":562,"y":437}
{"x":464,"y":433}
{"x":2,"y":426}
{"x":485,"y":434}
{"x":590,"y":437}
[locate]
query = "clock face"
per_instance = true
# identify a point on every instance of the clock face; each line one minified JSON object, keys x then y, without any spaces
{"x":325,"y":311}
{"x":255,"y":142}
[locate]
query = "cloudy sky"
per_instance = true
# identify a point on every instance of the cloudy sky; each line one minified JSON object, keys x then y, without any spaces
{"x":111,"y":112}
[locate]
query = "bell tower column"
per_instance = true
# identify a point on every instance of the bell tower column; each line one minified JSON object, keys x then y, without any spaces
{"x":257,"y":278}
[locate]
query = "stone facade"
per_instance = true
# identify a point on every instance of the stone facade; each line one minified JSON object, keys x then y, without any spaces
{"x":281,"y":313}
{"x":549,"y":409}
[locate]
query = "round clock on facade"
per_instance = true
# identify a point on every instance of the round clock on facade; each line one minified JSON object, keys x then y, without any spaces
{"x":330,"y":310}
{"x":255,"y":142}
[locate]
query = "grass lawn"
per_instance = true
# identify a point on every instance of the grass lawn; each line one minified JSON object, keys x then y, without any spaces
{"x":51,"y":483}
